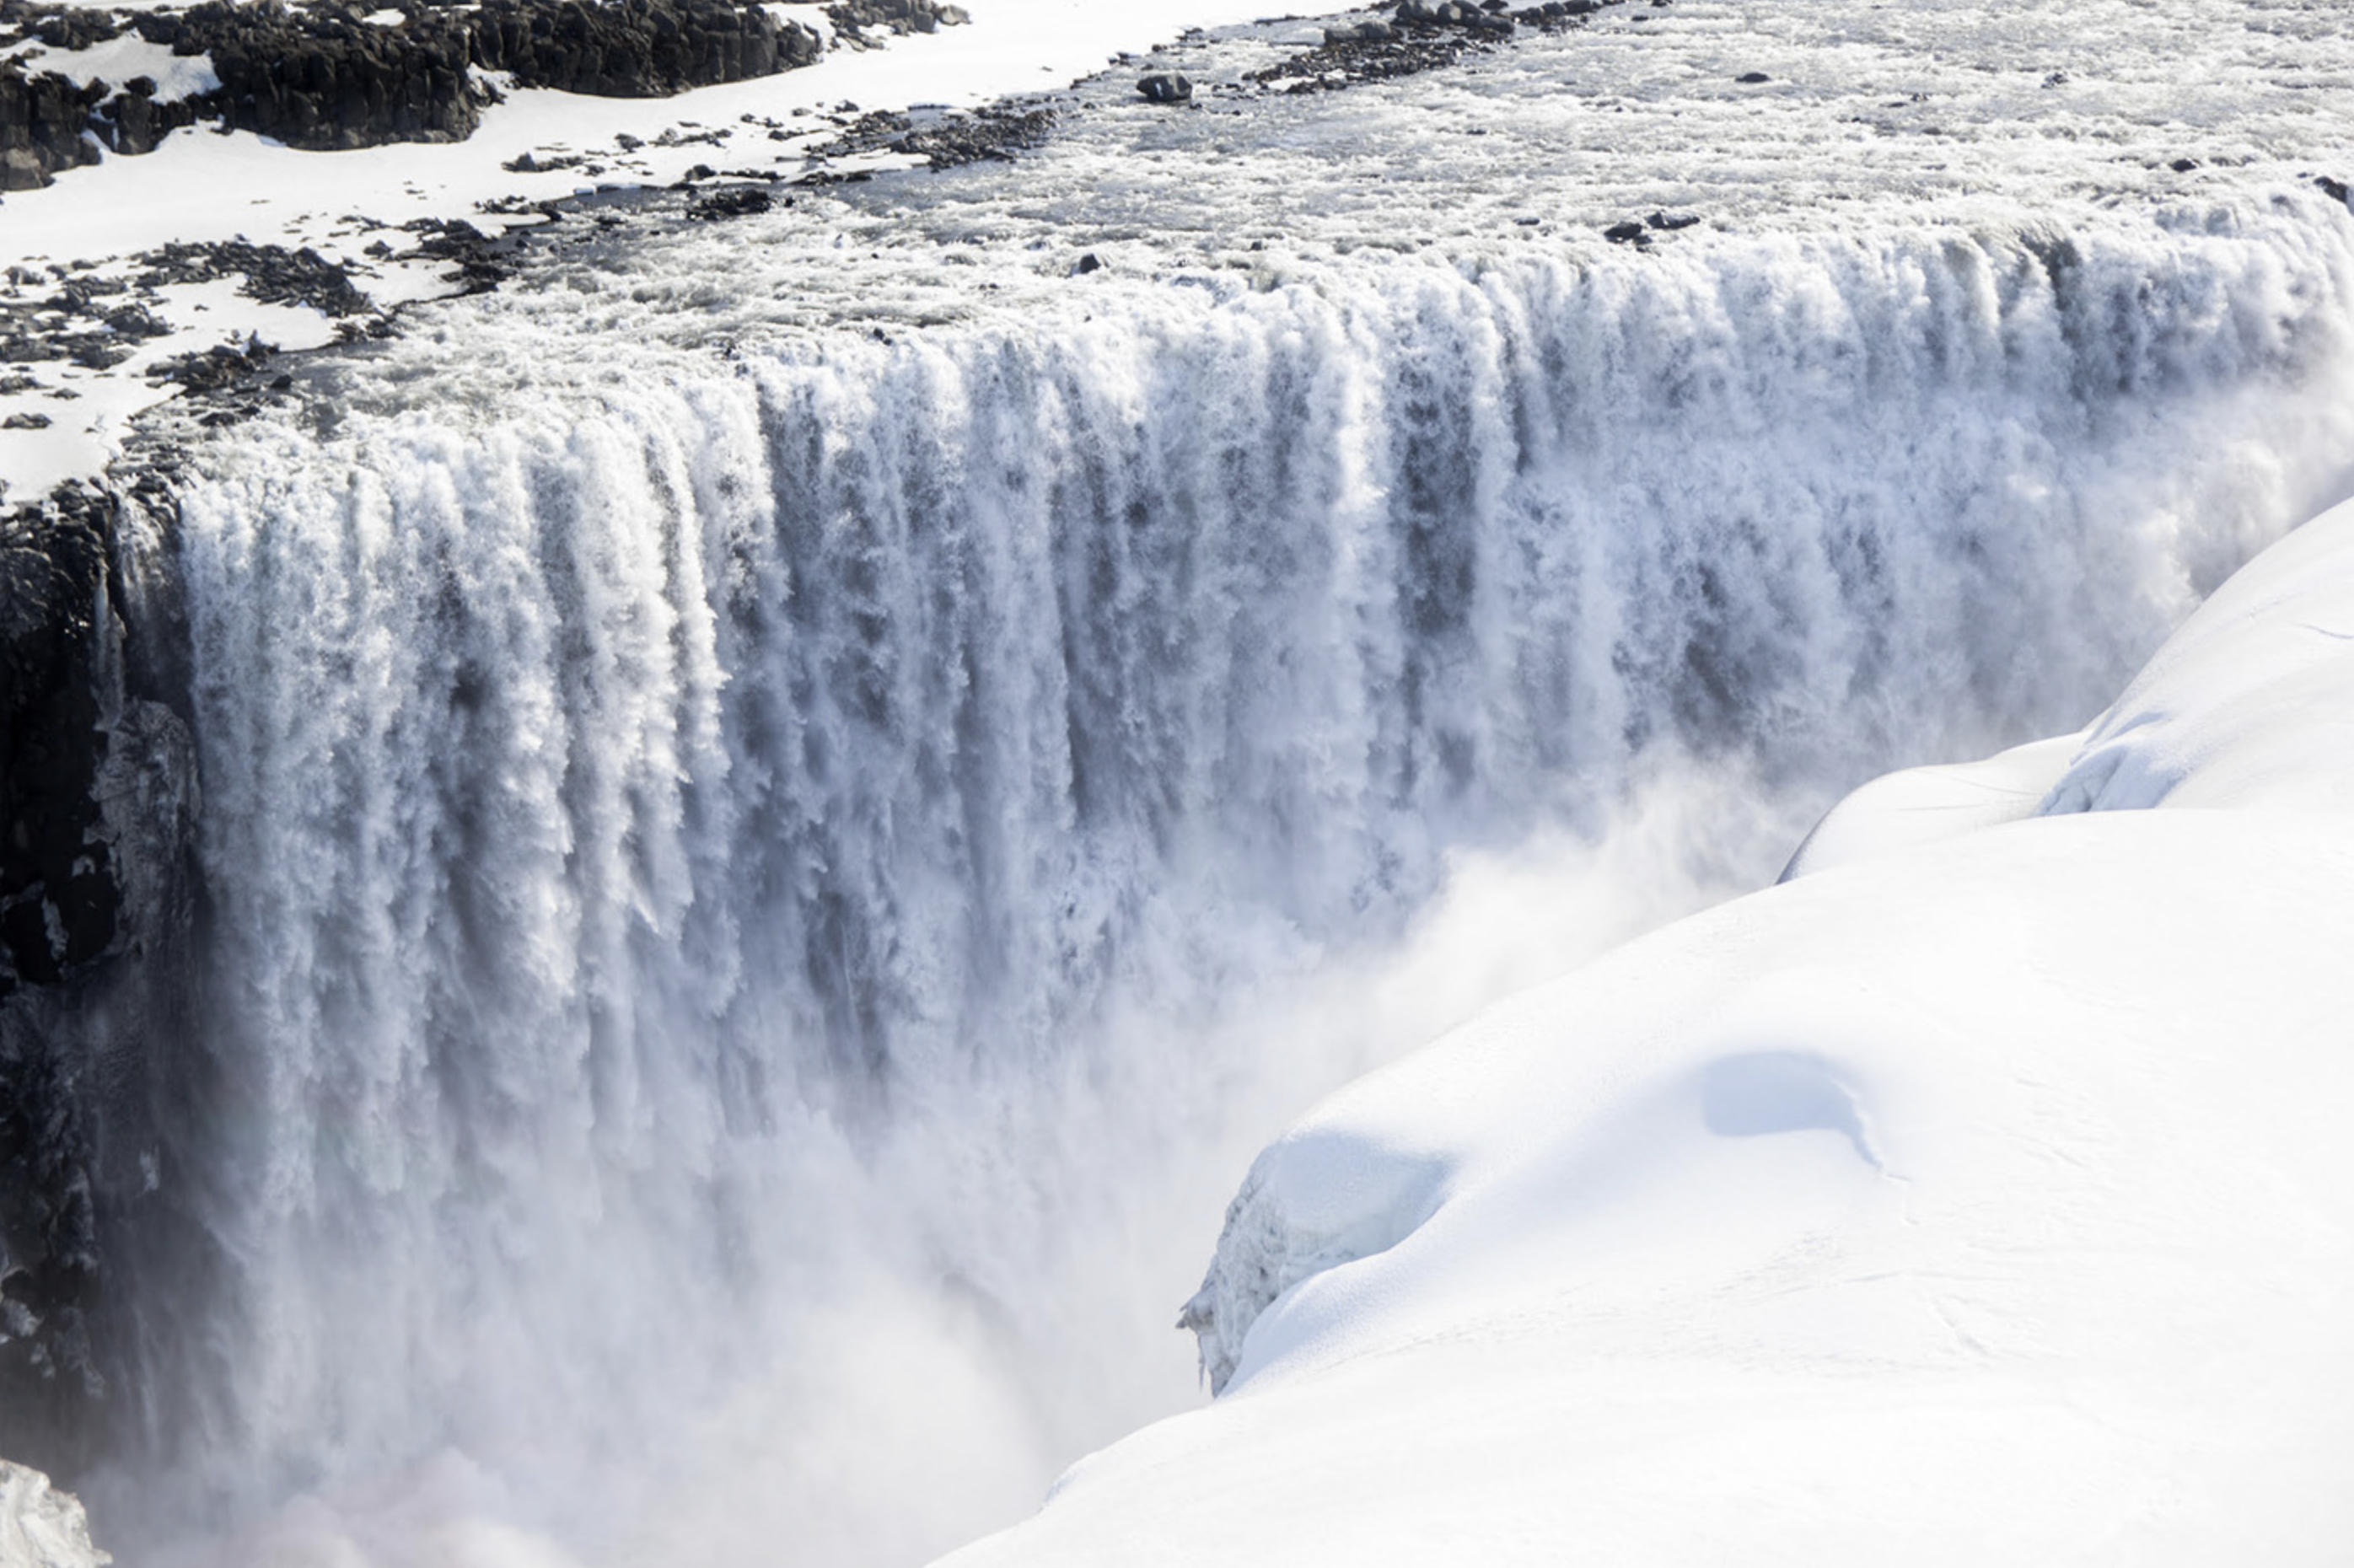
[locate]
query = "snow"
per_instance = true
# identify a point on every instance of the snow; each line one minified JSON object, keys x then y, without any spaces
{"x":1973,"y":1200}
{"x":1922,"y":805}
{"x":119,"y":60}
{"x":2246,"y":705}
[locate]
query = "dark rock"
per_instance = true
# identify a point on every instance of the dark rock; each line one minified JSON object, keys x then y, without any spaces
{"x":1673,"y":220}
{"x":482,"y":260}
{"x":737,"y":201}
{"x":2183,"y":166}
{"x":318,"y":78}
{"x":274,"y":274}
{"x":953,"y":141}
{"x":1628,"y":234}
{"x":41,"y":122}
{"x":210,"y":369}
{"x":1752,"y":78}
{"x":25,"y":422}
{"x":1423,"y":34}
{"x":97,"y":825}
{"x":1167,"y":87}
{"x":2335,"y":189}
{"x":1089,"y":263}
{"x":851,"y":18}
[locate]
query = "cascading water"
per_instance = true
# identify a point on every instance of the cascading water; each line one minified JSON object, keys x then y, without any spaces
{"x":713,"y":881}
{"x":763,"y":885}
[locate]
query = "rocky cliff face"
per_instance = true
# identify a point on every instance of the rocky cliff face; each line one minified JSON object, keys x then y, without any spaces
{"x":96,"y":815}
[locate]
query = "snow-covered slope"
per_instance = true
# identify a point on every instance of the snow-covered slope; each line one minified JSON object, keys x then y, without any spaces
{"x":1983,"y":1200}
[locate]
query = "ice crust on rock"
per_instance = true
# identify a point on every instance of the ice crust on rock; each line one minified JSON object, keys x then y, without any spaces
{"x":41,"y":1526}
{"x":1312,"y":1202}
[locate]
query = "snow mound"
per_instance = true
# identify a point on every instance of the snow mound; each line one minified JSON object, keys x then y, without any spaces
{"x":1983,"y":1198}
{"x":1922,"y":805}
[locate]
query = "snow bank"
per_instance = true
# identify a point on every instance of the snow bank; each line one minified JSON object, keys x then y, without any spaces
{"x":1976,"y":1200}
{"x":2244,"y":706}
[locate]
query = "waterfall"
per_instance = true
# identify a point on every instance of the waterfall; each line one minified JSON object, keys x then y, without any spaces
{"x":731,"y":887}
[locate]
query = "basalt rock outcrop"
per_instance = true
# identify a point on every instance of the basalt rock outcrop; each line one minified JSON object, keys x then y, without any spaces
{"x":98,"y":801}
{"x":332,"y":76}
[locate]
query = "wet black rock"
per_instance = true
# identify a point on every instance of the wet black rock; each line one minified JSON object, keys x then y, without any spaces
{"x":1166,"y":87}
{"x":988,"y":133}
{"x":1752,"y":78}
{"x":41,"y":123}
{"x":736,"y":201}
{"x":1090,"y":262}
{"x":483,"y":262}
{"x":1670,"y":221}
{"x":1628,"y":234}
{"x":97,"y":814}
{"x":25,"y":422}
{"x":2335,"y":189}
{"x":211,"y":369}
{"x":56,"y":902}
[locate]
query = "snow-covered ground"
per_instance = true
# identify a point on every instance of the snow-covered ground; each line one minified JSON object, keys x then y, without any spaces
{"x":1982,"y":1200}
{"x":202,"y":186}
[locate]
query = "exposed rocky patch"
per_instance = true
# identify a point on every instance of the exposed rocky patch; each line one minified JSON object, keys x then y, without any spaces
{"x":100,"y":321}
{"x":854,"y":20}
{"x":948,"y":140}
{"x":1418,"y":36}
{"x":735,"y":201}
